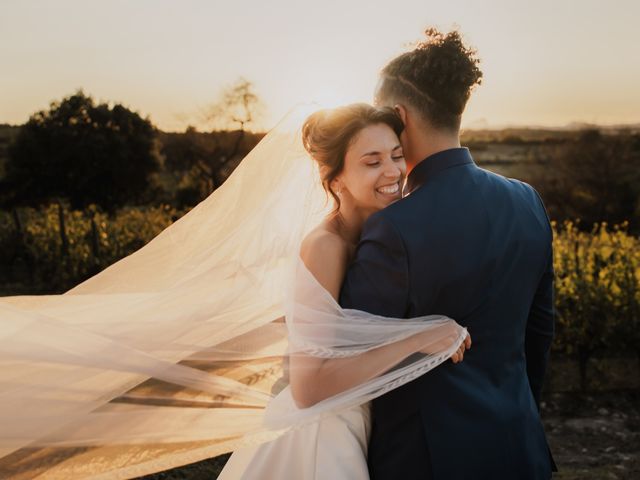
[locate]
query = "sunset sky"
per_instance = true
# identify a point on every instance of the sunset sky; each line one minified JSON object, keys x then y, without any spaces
{"x":545,"y":62}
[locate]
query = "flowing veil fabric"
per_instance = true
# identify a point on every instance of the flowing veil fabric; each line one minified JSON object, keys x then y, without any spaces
{"x":173,"y":354}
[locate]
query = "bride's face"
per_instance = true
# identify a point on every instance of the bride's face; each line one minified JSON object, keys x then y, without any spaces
{"x":374,"y":169}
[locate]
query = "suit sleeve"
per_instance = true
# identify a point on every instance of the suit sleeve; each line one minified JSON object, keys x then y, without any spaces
{"x":377,"y":281}
{"x":540,"y":325}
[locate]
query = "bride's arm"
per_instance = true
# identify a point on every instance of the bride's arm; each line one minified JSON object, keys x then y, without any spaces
{"x":314,"y":379}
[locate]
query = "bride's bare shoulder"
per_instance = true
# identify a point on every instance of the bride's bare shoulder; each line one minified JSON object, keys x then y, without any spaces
{"x":325,"y":255}
{"x":322,"y":241}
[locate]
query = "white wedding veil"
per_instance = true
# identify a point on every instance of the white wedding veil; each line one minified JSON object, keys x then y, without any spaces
{"x":174,"y":353}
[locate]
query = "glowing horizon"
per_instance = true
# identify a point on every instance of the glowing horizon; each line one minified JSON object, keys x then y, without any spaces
{"x":546,"y":64}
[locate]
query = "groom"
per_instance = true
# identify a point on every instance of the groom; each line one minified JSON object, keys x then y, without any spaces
{"x":474,"y":246}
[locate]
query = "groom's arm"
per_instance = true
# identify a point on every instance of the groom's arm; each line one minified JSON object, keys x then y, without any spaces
{"x":540,"y":331}
{"x":540,"y":325}
{"x":377,"y":281}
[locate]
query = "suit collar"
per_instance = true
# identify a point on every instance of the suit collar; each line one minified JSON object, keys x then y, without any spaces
{"x":434,"y":164}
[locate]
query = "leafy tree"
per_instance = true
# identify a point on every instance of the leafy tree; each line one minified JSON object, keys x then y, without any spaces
{"x":196,"y":155}
{"x":81,"y":152}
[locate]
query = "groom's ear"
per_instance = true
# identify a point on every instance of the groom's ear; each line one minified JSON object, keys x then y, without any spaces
{"x":402,"y":111}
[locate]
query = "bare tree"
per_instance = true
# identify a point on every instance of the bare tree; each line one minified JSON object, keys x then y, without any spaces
{"x":237,"y":108}
{"x":210,"y":158}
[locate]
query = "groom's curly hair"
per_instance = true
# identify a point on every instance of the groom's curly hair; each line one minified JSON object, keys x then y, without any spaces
{"x":436,"y":78}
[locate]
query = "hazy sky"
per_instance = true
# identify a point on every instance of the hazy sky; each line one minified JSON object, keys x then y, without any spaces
{"x":544,"y":62}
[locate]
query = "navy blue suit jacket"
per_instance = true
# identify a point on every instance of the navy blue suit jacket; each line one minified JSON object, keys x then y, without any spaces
{"x":477,"y":247}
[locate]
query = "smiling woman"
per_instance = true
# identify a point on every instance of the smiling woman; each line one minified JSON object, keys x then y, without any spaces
{"x":359,"y":154}
{"x":361,"y":165}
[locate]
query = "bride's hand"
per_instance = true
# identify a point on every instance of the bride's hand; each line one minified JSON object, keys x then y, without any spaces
{"x":458,"y":356}
{"x":451,"y":335}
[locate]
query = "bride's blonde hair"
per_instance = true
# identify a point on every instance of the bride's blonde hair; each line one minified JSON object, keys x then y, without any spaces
{"x":328,"y":133}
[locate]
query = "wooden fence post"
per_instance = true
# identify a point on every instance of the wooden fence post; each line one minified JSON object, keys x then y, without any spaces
{"x":22,"y":247}
{"x":18,"y":224}
{"x":64,"y":249}
{"x":95,"y":240}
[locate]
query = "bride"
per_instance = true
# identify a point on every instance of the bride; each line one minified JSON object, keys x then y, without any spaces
{"x":360,"y":159}
{"x":179,"y":352}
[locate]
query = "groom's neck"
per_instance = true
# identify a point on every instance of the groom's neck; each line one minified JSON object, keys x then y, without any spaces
{"x":427,"y":143}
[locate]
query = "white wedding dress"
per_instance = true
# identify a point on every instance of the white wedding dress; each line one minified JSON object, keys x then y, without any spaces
{"x":332,"y":448}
